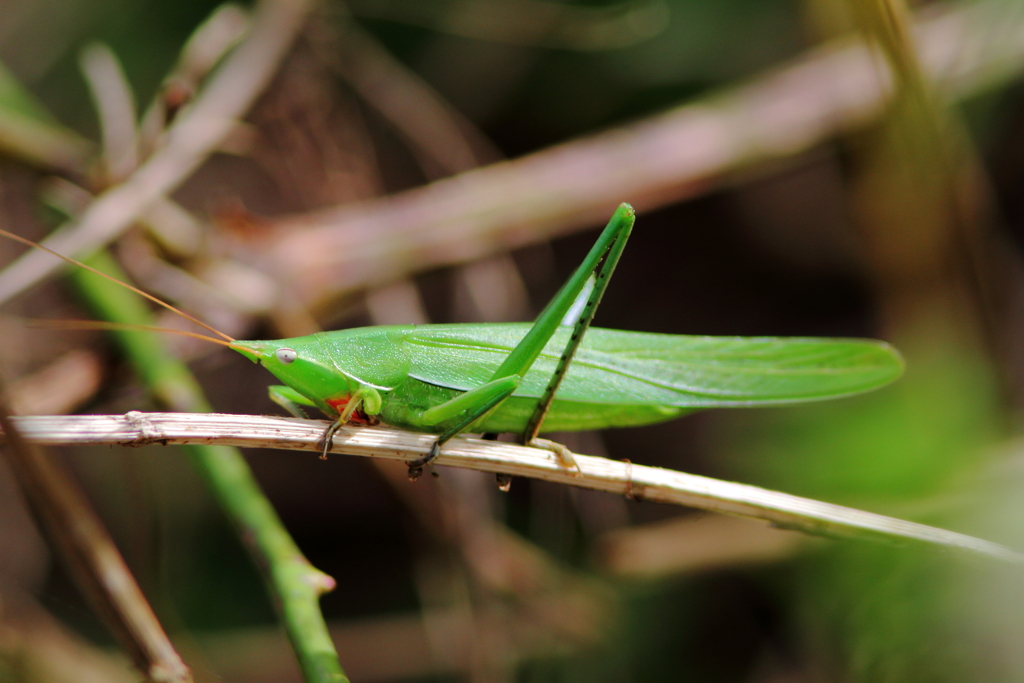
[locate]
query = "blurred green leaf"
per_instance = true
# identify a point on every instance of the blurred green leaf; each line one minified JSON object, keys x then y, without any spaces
{"x":29,"y":133}
{"x":910,"y":439}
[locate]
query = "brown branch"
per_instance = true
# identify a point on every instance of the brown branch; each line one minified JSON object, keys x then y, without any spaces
{"x":194,"y":136}
{"x":434,"y":129}
{"x":60,"y":387}
{"x":637,"y":481}
{"x":685,"y":544}
{"x":115,"y":107}
{"x":92,"y":559}
{"x":658,"y":161}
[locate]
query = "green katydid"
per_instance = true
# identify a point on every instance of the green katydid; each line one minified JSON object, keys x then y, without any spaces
{"x":553,"y":373}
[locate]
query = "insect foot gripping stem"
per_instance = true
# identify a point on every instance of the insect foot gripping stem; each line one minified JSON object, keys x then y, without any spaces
{"x":503,"y":479}
{"x":363,"y":396}
{"x":327,"y":440}
{"x":563,"y":454}
{"x":416,"y":466}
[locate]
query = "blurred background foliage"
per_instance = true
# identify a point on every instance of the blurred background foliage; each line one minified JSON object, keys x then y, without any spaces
{"x":905,"y":224}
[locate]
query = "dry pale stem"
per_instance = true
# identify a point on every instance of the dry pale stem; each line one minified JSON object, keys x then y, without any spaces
{"x":636,"y":481}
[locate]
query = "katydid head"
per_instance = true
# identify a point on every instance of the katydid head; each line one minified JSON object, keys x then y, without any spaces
{"x":327,"y":366}
{"x":300,"y":363}
{"x":277,"y":354}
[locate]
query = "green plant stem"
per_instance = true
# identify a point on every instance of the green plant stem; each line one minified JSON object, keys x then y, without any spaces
{"x":294,"y":584}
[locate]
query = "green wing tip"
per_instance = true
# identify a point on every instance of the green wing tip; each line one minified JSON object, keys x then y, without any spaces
{"x":895,"y":355}
{"x":889,"y":363}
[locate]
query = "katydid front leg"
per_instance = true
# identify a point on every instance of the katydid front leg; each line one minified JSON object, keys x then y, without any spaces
{"x":364,"y":397}
{"x":480,"y":401}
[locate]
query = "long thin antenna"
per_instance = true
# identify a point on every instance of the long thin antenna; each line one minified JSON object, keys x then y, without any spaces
{"x":45,"y":324}
{"x":18,"y":238}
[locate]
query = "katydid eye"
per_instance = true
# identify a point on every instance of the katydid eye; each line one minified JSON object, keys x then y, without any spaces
{"x":286,"y":356}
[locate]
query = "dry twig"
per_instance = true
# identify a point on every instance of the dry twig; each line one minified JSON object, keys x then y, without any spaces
{"x":193,"y":137}
{"x":658,"y":161}
{"x":92,"y":558}
{"x":434,"y":129}
{"x":60,"y":387}
{"x":648,"y":483}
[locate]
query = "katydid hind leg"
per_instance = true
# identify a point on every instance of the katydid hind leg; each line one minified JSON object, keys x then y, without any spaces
{"x":601,"y":261}
{"x":602,"y":275}
{"x":522,"y":357}
{"x":561,"y":452}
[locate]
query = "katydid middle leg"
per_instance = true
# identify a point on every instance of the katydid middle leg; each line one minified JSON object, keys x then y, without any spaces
{"x":478,"y":402}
